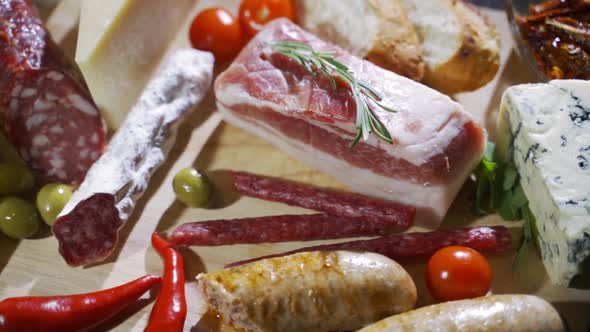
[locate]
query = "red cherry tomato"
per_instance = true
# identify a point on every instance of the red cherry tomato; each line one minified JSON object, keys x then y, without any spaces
{"x":455,"y":273}
{"x":254,"y":14}
{"x":216,"y":30}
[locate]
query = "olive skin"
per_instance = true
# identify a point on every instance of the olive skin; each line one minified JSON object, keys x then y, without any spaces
{"x":192,"y":187}
{"x":15,"y":179}
{"x":51,"y":199}
{"x":18,"y":218}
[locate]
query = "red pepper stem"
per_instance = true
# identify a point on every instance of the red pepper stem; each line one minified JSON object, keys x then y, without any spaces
{"x":169,"y":311}
{"x":79,"y":312}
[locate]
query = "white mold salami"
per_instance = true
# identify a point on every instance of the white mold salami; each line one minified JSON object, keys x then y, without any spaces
{"x":87,"y":227}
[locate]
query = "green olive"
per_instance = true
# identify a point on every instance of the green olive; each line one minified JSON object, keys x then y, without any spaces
{"x":18,"y":218}
{"x":15,"y":179}
{"x":8,"y":153}
{"x":51,"y":199}
{"x":192,"y":188}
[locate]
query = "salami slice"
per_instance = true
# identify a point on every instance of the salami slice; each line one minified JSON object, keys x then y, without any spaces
{"x":307,"y":227}
{"x":335,"y":203}
{"x":96,"y":236}
{"x":138,"y":148}
{"x":418,"y":245}
{"x":47,"y":110}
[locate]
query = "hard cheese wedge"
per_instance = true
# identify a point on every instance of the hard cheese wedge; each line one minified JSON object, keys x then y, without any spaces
{"x":120,"y":43}
{"x":546,"y":132}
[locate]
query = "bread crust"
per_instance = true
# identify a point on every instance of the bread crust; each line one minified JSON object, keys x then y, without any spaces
{"x":397,"y":46}
{"x":476,"y":62}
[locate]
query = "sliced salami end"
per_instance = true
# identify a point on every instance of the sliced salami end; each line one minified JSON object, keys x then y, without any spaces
{"x":417,"y":245}
{"x":54,"y":124}
{"x":332,"y":202}
{"x":89,"y":232}
{"x":269,"y":229}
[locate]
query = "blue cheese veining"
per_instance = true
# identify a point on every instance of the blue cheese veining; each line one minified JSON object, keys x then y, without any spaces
{"x":545,"y":129}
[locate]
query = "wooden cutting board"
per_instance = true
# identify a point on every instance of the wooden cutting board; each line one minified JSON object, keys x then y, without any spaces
{"x":34,"y":267}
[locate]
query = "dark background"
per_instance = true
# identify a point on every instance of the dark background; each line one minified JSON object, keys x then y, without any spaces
{"x":499,"y":4}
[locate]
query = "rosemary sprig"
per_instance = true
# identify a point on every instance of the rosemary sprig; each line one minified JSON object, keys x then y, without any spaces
{"x":324,"y":63}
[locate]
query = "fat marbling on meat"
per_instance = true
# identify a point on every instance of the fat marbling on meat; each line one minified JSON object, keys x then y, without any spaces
{"x":436,"y":142}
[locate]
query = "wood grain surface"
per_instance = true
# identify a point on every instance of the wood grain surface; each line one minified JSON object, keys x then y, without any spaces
{"x":34,"y":267}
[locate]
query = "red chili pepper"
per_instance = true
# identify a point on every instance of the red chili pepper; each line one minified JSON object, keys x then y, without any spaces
{"x":79,"y":312}
{"x":169,"y":311}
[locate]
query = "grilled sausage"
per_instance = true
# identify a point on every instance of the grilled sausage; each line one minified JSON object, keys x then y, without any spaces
{"x":515,"y":313}
{"x":312,"y":291}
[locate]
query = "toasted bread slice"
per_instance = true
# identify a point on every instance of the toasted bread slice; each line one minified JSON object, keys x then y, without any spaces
{"x":377,"y":30}
{"x":461,"y":48}
{"x":479,"y":58}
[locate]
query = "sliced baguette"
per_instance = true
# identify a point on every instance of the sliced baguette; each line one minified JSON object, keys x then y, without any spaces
{"x":461,"y":48}
{"x":377,"y":30}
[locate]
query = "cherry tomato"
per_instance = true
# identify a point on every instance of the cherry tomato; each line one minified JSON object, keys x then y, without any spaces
{"x":254,"y":14}
{"x":216,"y":30}
{"x":455,"y":273}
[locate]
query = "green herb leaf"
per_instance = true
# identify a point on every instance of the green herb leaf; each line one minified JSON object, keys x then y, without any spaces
{"x":498,"y":190}
{"x":486,"y":174}
{"x":527,"y":235}
{"x":519,"y":199}
{"x":480,"y":192}
{"x":507,"y":210}
{"x":324,"y":63}
{"x":489,"y":153}
{"x":509,"y":179}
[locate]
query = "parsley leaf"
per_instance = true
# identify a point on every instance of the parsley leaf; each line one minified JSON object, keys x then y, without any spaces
{"x":498,"y":190}
{"x":510,"y":177}
{"x":527,"y":234}
{"x":486,"y":182}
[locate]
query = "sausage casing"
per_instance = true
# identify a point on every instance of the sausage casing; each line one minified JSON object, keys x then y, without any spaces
{"x":312,"y":291}
{"x":515,"y":313}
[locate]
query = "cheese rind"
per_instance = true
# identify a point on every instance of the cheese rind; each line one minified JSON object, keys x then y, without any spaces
{"x":120,"y":44}
{"x":545,"y":130}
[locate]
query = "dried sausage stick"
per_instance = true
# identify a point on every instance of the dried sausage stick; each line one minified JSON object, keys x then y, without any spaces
{"x":418,"y":245}
{"x":328,"y":201}
{"x":305,"y":227}
{"x":87,"y":228}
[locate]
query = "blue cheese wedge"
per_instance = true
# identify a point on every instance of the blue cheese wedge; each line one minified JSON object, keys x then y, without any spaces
{"x":545,"y":130}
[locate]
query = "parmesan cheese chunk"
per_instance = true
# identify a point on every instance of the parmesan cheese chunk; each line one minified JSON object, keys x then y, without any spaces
{"x":120,"y":43}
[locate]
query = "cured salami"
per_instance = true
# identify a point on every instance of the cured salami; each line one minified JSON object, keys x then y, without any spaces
{"x":335,"y":203}
{"x":140,"y":146}
{"x":47,"y":110}
{"x":96,"y":235}
{"x":418,"y":245}
{"x":283,"y":228}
